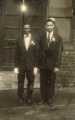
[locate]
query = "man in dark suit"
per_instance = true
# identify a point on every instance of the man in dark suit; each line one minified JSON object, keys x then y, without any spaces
{"x":26,"y":57}
{"x":50,"y":56}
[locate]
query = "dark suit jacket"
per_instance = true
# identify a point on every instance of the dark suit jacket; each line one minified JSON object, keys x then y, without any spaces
{"x":50,"y":56}
{"x":26,"y":59}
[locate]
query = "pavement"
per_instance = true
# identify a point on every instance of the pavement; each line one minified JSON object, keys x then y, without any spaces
{"x":64,"y":103}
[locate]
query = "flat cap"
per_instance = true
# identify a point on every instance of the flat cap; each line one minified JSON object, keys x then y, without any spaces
{"x":50,"y":19}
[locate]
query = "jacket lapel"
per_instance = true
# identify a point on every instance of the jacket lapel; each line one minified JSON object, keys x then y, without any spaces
{"x":45,"y":41}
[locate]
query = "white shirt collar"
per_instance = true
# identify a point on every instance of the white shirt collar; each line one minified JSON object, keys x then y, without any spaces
{"x":29,"y":35}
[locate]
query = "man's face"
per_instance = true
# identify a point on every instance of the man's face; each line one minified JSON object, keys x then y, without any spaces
{"x":27,"y":30}
{"x":49,"y":26}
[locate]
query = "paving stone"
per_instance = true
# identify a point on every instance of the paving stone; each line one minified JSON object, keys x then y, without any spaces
{"x":11,"y":110}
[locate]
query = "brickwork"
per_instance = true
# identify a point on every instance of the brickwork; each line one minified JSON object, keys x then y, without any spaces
{"x":66,"y":76}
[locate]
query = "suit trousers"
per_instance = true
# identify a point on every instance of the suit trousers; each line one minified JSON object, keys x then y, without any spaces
{"x":25,"y":73}
{"x":47,"y":84}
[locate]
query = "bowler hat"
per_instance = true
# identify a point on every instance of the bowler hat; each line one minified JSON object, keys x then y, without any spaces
{"x":26,"y":26}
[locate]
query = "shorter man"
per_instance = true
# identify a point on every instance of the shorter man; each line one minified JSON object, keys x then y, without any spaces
{"x":50,"y":56}
{"x":26,"y":62}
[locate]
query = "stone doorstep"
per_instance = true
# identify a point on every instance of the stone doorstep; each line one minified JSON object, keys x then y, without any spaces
{"x":8,"y":80}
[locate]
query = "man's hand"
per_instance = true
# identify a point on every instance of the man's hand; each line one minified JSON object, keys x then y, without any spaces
{"x":35,"y":70}
{"x":56,"y":69}
{"x":16,"y":70}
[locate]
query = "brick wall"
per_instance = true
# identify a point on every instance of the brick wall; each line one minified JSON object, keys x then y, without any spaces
{"x":66,"y":76}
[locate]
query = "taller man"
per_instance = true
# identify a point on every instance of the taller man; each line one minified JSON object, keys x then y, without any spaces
{"x":26,"y":62}
{"x":50,"y":56}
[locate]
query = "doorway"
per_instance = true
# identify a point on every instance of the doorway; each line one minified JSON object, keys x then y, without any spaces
{"x":11,"y":21}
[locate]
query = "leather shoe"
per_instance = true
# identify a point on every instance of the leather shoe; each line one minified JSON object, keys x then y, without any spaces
{"x":21,"y":100}
{"x":53,"y":107}
{"x":29,"y":101}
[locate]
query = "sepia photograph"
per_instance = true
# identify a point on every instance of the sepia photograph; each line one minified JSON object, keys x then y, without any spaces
{"x":37,"y":59}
